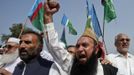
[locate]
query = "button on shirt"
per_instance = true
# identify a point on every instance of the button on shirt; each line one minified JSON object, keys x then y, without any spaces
{"x":125,"y":65}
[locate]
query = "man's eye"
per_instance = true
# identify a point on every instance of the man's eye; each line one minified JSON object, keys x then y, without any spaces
{"x":27,"y":42}
{"x":77,"y":46}
{"x":84,"y":44}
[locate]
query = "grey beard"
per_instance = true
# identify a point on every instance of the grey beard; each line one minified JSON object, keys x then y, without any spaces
{"x":8,"y":58}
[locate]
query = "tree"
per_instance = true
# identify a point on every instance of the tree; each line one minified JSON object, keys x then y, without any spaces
{"x":4,"y":37}
{"x":15,"y":31}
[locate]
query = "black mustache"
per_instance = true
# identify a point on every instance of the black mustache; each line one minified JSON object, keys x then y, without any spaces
{"x":22,"y":50}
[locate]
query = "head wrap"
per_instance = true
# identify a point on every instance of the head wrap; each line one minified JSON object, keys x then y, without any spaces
{"x":13,"y":39}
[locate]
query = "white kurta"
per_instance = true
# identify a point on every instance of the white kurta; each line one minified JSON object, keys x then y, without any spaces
{"x":46,"y":55}
{"x":63,"y":60}
{"x":125,"y":65}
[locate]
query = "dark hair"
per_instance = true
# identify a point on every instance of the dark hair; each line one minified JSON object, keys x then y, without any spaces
{"x":70,"y":46}
{"x":40,"y":38}
{"x":99,"y":53}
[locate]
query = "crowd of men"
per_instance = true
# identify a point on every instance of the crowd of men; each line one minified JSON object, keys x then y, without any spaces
{"x":22,"y":56}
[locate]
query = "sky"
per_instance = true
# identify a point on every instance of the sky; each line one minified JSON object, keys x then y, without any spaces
{"x":16,"y":11}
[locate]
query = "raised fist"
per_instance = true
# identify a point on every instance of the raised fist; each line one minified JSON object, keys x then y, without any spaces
{"x":51,"y":6}
{"x":52,"y":3}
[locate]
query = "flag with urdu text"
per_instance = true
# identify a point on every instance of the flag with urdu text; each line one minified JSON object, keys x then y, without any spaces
{"x":66,"y":22}
{"x":109,"y":10}
{"x":63,"y":37}
{"x":36,"y":15}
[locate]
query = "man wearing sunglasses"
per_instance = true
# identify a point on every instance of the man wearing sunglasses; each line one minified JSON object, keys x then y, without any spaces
{"x":10,"y":57}
{"x":123,"y":60}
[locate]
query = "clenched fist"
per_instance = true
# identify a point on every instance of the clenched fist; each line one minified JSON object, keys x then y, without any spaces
{"x":51,"y":7}
{"x":52,"y":3}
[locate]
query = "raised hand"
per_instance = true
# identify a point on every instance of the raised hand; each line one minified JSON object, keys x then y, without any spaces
{"x":51,"y":7}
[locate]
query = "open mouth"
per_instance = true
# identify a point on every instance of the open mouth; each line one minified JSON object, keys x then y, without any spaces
{"x":82,"y":56}
{"x":82,"y":59}
{"x":23,"y":52}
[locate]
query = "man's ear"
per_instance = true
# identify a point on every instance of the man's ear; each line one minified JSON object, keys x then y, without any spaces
{"x":98,"y":52}
{"x":96,"y":49}
{"x":40,"y":47}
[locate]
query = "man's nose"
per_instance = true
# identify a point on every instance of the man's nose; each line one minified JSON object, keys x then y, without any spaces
{"x":22,"y":45}
{"x":80,"y":49}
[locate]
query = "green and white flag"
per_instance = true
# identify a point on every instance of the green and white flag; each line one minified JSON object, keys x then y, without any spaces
{"x":109,"y":10}
{"x":66,"y":22}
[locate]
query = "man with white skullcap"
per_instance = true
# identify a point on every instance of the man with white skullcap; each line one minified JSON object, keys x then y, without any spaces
{"x":10,"y":57}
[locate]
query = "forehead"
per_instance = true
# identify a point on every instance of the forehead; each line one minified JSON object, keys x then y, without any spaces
{"x":122,"y":36}
{"x":29,"y":37}
{"x":85,"y":39}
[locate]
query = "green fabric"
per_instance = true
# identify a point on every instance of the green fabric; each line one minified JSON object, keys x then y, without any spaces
{"x":88,"y":23}
{"x":71,"y":29}
{"x":38,"y":21}
{"x":109,"y":10}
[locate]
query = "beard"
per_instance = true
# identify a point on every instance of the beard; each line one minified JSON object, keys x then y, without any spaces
{"x":27,"y":56}
{"x":9,"y":58}
{"x":89,"y":68}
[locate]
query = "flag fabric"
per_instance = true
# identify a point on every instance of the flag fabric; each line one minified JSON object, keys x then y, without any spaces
{"x":88,"y":22}
{"x":95,"y":22}
{"x":92,"y":20}
{"x":36,"y":15}
{"x":63,"y":37}
{"x":87,"y":8}
{"x":66,"y":22}
{"x":109,"y":10}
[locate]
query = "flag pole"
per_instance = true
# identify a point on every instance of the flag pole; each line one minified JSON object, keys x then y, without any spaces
{"x":23,"y":27}
{"x":103,"y":24}
{"x":104,"y":33}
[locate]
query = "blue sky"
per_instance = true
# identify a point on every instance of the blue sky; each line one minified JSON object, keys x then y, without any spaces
{"x":16,"y":11}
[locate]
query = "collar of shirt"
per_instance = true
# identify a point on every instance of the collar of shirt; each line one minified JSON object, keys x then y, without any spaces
{"x":120,"y":55}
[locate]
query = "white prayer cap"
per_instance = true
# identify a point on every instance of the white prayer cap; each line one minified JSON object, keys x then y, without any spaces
{"x":13,"y":39}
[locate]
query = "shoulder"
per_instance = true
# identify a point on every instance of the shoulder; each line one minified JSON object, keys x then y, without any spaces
{"x":45,"y":62}
{"x":109,"y":69}
{"x":111,"y":56}
{"x":20,"y":65}
{"x":131,"y":55}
